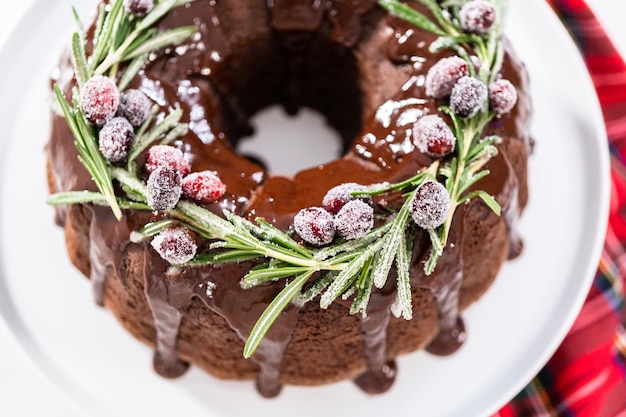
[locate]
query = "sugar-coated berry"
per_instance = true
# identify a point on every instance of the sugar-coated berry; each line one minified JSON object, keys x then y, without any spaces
{"x":431,"y":205}
{"x":99,"y":99}
{"x":138,"y":8}
{"x":339,"y":195}
{"x":432,"y":136}
{"x":468,"y":96}
{"x":176,"y":245}
{"x":354,"y":220}
{"x":135,"y":106}
{"x":115,"y":138}
{"x":314,"y":225}
{"x":478,"y":16}
{"x":502,"y":96}
{"x":164,"y":188}
{"x":166,"y":156}
{"x":441,"y":77}
{"x":203,"y":187}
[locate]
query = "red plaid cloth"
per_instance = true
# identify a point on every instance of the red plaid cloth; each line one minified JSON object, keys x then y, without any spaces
{"x":586,"y":377}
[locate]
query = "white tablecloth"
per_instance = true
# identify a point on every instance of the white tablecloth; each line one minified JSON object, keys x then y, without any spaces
{"x":23,"y":391}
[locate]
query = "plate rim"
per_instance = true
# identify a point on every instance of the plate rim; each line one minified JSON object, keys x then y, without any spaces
{"x":603,"y":209}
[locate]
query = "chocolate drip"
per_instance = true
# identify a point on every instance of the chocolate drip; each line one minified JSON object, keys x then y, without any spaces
{"x":511,"y":212}
{"x":445,"y":286}
{"x":295,"y":21}
{"x":169,"y":298}
{"x":503,"y":183}
{"x":223,"y":294}
{"x":295,"y":46}
{"x":381,"y":373}
{"x":109,"y":252}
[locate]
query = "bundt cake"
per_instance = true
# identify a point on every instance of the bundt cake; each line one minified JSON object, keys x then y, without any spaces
{"x":328,"y":274}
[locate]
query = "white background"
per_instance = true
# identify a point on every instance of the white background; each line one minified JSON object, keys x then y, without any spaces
{"x":23,"y":391}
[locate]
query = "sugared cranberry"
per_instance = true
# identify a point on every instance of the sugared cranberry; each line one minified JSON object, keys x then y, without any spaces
{"x":314,"y":225}
{"x":502,"y":96}
{"x":468,"y":96}
{"x":135,"y":106}
{"x":478,"y":16}
{"x":433,"y":136}
{"x":99,"y":99}
{"x":115,"y":138}
{"x":204,"y":187}
{"x":431,"y":205}
{"x":441,"y":77}
{"x":166,"y":156}
{"x":164,"y":189}
{"x":354,"y":220}
{"x":176,"y":245}
{"x":339,"y":195}
{"x":138,"y":8}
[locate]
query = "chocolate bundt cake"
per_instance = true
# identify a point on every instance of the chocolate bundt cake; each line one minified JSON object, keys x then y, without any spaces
{"x":348,"y":264}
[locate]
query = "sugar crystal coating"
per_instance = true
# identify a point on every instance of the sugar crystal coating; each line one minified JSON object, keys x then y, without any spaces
{"x":166,"y":156}
{"x":478,"y":16}
{"x":354,"y":220}
{"x":339,"y":195}
{"x":502,"y":96}
{"x":431,"y":205}
{"x":176,"y":245}
{"x":441,"y":77}
{"x":204,"y":187}
{"x":164,"y":188}
{"x":432,"y":136}
{"x":115,"y":138}
{"x":468,"y":96}
{"x":138,"y":7}
{"x":135,"y":106}
{"x":99,"y":99}
{"x":314,"y":225}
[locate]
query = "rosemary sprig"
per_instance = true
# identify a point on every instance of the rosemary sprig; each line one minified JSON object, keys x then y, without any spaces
{"x":123,"y":38}
{"x":464,"y":169}
{"x":89,"y":154}
{"x":111,"y":48}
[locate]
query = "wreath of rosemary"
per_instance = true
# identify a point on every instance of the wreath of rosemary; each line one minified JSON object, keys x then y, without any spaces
{"x":346,"y":268}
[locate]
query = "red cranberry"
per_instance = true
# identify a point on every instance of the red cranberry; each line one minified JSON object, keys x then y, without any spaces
{"x":204,"y":187}
{"x":138,"y":8}
{"x":135,"y":106}
{"x":176,"y":245}
{"x":314,"y":225}
{"x":468,"y":97}
{"x":164,"y":189}
{"x":433,"y":136}
{"x":431,"y":205}
{"x":502,"y":96}
{"x":338,"y":196}
{"x":115,"y":139}
{"x":99,"y":99}
{"x":354,"y":220}
{"x":442,"y":76}
{"x":166,"y":156}
{"x":478,"y":16}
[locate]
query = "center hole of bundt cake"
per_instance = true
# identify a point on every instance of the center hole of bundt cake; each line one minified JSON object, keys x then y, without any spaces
{"x":294,"y":100}
{"x":285,"y":144}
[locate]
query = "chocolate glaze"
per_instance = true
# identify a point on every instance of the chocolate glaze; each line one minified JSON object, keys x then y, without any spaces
{"x":286,"y":39}
{"x":445,"y":286}
{"x":381,"y":372}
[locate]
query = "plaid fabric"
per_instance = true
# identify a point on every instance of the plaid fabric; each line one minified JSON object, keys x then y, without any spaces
{"x":586,"y":377}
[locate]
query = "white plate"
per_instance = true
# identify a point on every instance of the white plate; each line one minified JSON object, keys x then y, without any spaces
{"x":47,"y":305}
